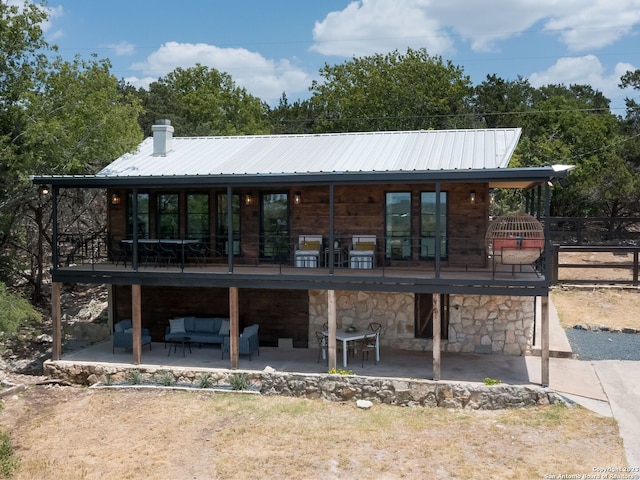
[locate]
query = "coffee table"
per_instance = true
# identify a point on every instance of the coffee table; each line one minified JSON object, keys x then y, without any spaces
{"x":185,"y":341}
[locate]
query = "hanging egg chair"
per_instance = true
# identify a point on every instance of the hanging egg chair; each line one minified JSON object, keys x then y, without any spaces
{"x":515,"y":238}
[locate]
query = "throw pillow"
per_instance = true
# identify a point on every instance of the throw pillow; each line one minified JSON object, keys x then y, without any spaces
{"x":224,"y":328}
{"x":177,"y":325}
{"x":129,"y":330}
{"x":365,"y":246}
{"x":310,"y":246}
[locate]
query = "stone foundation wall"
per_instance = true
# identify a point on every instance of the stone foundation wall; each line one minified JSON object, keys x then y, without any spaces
{"x":339,"y":388}
{"x":477,"y":323}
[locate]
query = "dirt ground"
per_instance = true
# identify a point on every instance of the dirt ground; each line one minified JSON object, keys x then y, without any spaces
{"x":78,"y":433}
{"x":75,"y":433}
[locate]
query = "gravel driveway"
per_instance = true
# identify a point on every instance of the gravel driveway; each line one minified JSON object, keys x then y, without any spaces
{"x":604,"y":345}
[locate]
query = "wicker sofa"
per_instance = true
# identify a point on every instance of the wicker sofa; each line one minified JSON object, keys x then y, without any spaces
{"x":210,"y":330}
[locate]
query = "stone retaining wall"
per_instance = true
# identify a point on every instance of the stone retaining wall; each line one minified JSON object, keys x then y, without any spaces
{"x":477,"y":323}
{"x":338,"y":388}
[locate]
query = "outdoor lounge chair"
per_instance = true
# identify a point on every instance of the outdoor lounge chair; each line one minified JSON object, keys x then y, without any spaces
{"x":307,"y":253}
{"x":363,"y":252}
{"x":123,"y":336}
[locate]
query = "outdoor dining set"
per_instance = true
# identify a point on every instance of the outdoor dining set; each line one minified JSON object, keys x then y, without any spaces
{"x":352,"y":342}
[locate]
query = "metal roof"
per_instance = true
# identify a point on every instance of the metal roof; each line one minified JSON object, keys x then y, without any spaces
{"x":406,"y":151}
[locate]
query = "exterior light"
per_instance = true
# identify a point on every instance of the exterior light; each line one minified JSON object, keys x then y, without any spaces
{"x":297,"y":198}
{"x":472,"y":196}
{"x":44,"y":190}
{"x":248,"y":199}
{"x":115,"y":199}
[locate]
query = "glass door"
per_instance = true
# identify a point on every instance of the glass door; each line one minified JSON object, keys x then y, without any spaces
{"x":274,"y":227}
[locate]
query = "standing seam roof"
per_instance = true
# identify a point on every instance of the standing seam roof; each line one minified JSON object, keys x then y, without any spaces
{"x":324,"y":153}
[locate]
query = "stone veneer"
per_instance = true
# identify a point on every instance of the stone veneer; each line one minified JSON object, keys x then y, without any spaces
{"x":393,"y":391}
{"x":477,"y":323}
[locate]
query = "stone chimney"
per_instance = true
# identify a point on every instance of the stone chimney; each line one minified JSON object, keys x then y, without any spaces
{"x":162,"y":137}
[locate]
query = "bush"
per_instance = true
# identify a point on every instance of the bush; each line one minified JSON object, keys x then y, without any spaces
{"x":15,"y":310}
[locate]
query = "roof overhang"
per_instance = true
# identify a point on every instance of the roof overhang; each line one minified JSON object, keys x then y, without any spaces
{"x":495,"y":178}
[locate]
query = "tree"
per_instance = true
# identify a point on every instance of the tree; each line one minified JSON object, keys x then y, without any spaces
{"x":203,"y":101}
{"x":78,"y":121}
{"x":391,"y":92}
{"x":502,"y":103}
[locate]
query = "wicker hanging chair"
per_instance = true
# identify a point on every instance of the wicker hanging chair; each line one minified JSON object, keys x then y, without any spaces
{"x":517,"y":238}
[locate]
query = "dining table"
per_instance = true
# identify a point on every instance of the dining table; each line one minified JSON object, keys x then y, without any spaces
{"x":351,"y":336}
{"x":176,"y":242}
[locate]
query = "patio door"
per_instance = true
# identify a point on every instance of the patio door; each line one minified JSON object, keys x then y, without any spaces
{"x":424,"y":315}
{"x":274,"y":227}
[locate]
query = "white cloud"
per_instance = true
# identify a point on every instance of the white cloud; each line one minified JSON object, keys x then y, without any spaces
{"x":122,"y":48}
{"x":585,"y":70}
{"x":369,"y":26}
{"x":263,"y":78}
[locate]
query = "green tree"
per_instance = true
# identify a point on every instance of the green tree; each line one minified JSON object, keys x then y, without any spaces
{"x":203,"y":101}
{"x":500,"y":103}
{"x":391,"y":92}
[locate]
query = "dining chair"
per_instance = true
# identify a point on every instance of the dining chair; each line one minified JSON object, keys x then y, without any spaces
{"x":149,"y":253}
{"x":366,"y":345}
{"x":322,"y":345}
{"x":198,"y":252}
{"x":375,"y":327}
{"x":166,"y":254}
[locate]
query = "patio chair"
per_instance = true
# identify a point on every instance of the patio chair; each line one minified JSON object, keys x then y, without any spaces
{"x":123,"y":336}
{"x":248,"y":342}
{"x":366,"y":345}
{"x":307,"y":253}
{"x":198,"y":252}
{"x":322,"y":345}
{"x":165,"y":254}
{"x":363,"y":252}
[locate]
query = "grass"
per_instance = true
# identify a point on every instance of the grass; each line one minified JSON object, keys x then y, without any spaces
{"x":8,"y":460}
{"x":230,"y":436}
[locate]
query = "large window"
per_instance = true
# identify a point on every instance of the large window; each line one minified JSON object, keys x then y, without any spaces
{"x":397,"y":225}
{"x":274,"y":226}
{"x":143,"y":215}
{"x":428,"y":225}
{"x":168,"y":216}
{"x":222,"y":224}
{"x":198,"y":216}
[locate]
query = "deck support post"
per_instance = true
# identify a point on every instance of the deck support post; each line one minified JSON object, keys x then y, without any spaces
{"x":234,"y":326}
{"x":436,"y":336}
{"x":544,"y":340}
{"x":56,"y":348}
{"x":136,"y":322}
{"x":331,"y":321}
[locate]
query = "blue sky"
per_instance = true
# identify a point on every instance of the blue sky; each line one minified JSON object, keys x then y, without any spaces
{"x":271,"y":47}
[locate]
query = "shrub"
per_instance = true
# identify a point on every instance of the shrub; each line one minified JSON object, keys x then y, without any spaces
{"x":205,"y":381}
{"x":166,"y":378}
{"x":15,"y":310}
{"x":239,"y":381}
{"x":135,"y":377}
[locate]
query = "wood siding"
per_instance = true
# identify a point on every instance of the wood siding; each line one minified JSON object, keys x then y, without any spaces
{"x":280,"y":313}
{"x":357,"y":210}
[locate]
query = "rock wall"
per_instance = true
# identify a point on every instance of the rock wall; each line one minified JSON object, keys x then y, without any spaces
{"x":338,"y":388}
{"x":477,"y":323}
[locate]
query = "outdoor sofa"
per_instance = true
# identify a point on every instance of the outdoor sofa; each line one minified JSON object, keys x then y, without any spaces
{"x":211,"y":330}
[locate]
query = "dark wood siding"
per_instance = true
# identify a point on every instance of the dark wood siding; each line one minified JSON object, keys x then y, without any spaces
{"x":280,"y":313}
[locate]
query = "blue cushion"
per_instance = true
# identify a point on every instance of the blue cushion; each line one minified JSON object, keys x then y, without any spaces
{"x":250,"y":330}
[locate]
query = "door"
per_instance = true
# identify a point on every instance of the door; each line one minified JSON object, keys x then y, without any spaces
{"x":274,"y":227}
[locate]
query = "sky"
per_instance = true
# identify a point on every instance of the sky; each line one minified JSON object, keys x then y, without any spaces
{"x":279,"y":46}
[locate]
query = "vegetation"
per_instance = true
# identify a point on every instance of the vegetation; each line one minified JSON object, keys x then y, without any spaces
{"x":14,"y":311}
{"x":73,"y":117}
{"x":239,"y":381}
{"x":8,"y":460}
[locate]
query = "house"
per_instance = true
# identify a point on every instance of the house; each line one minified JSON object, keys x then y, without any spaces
{"x":292,"y":232}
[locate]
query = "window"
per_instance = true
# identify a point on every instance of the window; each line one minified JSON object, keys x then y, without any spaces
{"x":424,"y":316}
{"x":198,"y":216}
{"x":274,"y":226}
{"x":397,"y":225}
{"x":428,"y":225}
{"x":168,"y":216}
{"x":222,"y":224}
{"x":143,"y":215}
